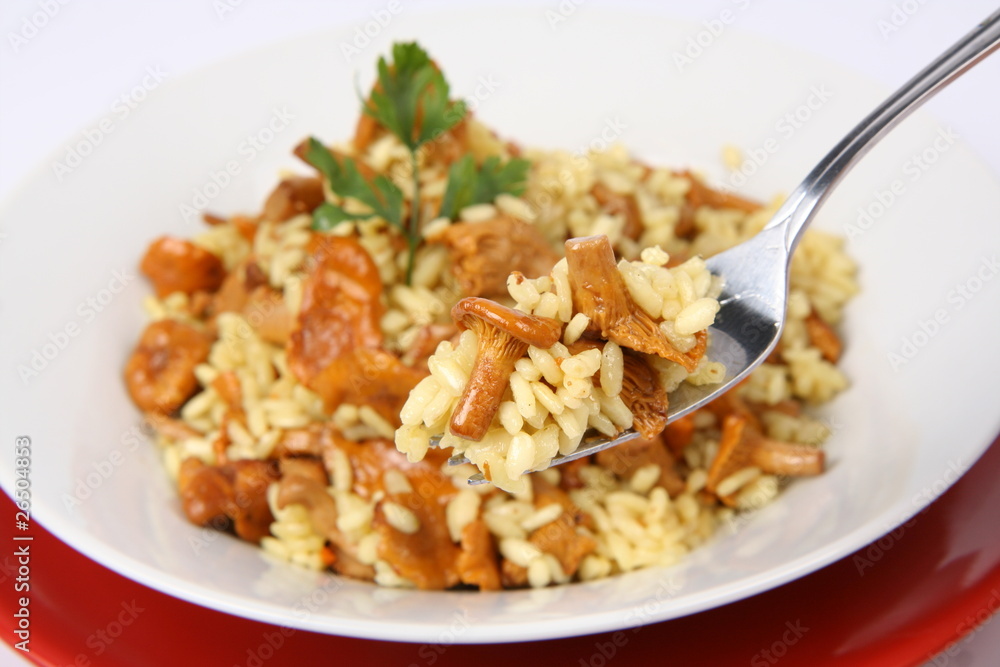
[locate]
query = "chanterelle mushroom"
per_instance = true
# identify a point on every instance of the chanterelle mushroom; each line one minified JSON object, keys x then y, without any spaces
{"x":599,"y":291}
{"x":644,"y":395}
{"x":619,"y":204}
{"x":742,"y":446}
{"x":504,"y":335}
{"x":483,"y":254}
{"x":641,"y":390}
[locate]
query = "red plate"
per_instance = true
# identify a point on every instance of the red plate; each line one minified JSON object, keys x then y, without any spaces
{"x":898,"y":601}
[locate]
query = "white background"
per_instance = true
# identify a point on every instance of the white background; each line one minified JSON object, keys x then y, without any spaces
{"x":71,"y":70}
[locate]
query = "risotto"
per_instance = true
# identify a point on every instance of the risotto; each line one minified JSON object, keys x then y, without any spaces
{"x":429,"y":290}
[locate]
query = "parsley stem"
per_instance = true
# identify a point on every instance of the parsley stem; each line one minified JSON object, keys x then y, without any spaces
{"x":413,"y":235}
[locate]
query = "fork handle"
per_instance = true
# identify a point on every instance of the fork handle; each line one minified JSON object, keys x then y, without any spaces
{"x":798,"y":210}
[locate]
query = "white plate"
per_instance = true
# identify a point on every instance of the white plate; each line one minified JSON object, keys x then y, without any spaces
{"x":902,"y":434}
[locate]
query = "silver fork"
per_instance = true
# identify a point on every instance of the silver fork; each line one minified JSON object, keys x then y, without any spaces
{"x":753,"y":300}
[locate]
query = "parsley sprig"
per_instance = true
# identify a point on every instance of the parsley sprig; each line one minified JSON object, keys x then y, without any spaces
{"x":382,"y":196}
{"x":468,"y":185}
{"x":412,"y":101}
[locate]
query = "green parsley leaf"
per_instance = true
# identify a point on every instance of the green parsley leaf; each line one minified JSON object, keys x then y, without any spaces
{"x":327,"y":216}
{"x":382,"y":196}
{"x":461,"y":188}
{"x":468,"y":185}
{"x":413,"y":86}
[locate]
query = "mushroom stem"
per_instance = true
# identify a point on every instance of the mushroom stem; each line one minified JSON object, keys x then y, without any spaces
{"x":785,"y":458}
{"x":742,"y":446}
{"x":487,"y":383}
{"x":503,"y":335}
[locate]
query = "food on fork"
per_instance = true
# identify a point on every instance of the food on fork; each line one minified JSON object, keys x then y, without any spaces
{"x":554,"y":396}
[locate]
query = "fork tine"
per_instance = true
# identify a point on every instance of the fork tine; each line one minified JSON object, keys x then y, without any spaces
{"x":477,"y":479}
{"x":591,"y":444}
